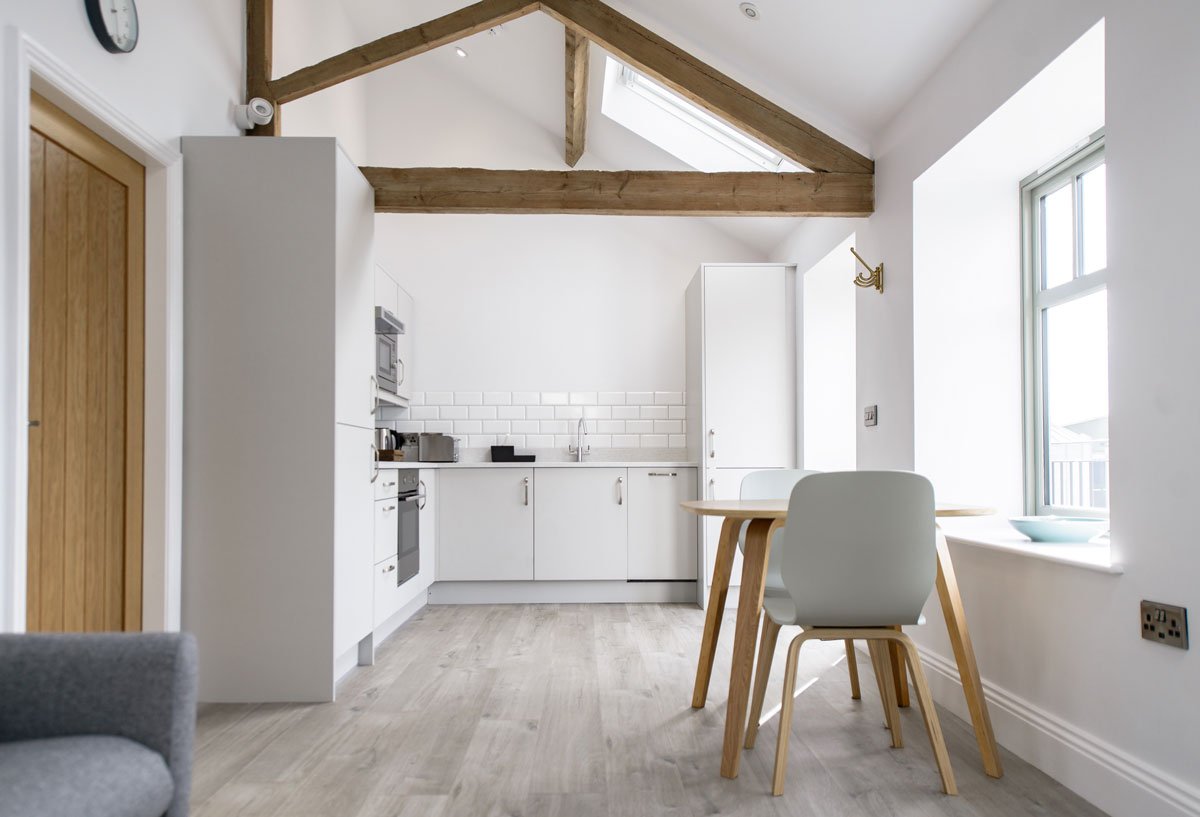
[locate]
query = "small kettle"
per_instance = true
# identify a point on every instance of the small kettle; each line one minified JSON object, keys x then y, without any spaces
{"x":385,"y":439}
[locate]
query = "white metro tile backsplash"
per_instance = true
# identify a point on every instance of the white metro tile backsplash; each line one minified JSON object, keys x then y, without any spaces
{"x":635,"y":419}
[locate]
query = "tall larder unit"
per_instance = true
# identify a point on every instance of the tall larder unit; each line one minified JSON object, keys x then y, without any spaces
{"x":742,"y":382}
{"x":279,"y":402}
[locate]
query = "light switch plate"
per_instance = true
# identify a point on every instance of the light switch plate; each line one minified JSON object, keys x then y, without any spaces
{"x":1164,"y":623}
{"x":871,"y":416}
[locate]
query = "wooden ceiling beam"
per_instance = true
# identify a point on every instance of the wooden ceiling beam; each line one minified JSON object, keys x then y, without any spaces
{"x":707,"y":87}
{"x":399,"y":46}
{"x":641,"y":193}
{"x":260,"y":42}
{"x":577,"y":95}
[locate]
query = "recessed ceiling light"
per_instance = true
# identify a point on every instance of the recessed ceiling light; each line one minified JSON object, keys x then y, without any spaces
{"x":460,"y":51}
{"x":750,"y":11}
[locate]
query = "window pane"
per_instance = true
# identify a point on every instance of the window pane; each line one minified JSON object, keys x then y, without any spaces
{"x":1058,"y":237}
{"x":1076,"y":407}
{"x":1093,"y":198}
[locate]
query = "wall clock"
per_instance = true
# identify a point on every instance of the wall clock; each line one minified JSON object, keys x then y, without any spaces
{"x":115,"y":23}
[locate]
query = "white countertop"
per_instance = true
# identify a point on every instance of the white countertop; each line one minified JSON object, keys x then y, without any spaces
{"x":541,"y":464}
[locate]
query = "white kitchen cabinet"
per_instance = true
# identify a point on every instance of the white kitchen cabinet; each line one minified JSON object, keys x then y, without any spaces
{"x":748,"y":383}
{"x":278,"y":356}
{"x":404,"y":345}
{"x":353,"y":296}
{"x":387,"y":291}
{"x":723,"y":483}
{"x":387,"y":529}
{"x":427,"y":539}
{"x":580,"y":524}
{"x":662,"y":536}
{"x":386,"y":593}
{"x":485,"y":524}
{"x":354,"y":463}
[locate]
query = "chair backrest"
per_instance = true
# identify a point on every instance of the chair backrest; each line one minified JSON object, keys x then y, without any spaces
{"x":775,"y":483}
{"x":859,"y":549}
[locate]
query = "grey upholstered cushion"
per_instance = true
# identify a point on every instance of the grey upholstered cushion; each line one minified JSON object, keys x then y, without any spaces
{"x":140,"y":686}
{"x":84,"y":776}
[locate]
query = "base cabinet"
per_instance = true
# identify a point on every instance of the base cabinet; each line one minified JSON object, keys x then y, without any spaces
{"x":485,"y":524}
{"x":723,"y":483}
{"x":662,"y":536}
{"x":580,"y":524}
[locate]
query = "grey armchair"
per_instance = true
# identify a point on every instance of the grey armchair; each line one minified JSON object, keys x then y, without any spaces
{"x":96,"y":724}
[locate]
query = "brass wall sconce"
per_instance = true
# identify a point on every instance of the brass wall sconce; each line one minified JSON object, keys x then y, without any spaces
{"x":875,"y":279}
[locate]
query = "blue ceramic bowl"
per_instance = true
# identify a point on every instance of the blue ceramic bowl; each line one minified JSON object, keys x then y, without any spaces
{"x":1062,"y":529}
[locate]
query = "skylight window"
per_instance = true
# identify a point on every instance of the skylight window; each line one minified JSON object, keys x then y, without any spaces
{"x":682,"y":128}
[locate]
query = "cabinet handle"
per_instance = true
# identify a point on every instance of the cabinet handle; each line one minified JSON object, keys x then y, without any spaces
{"x":712,"y":443}
{"x":711,"y":488}
{"x":421,"y":496}
{"x":620,"y":490}
{"x":374,"y":395}
{"x":374,"y":462}
{"x":388,"y":569}
{"x":389,"y":508}
{"x":525,"y":486}
{"x":662,"y":473}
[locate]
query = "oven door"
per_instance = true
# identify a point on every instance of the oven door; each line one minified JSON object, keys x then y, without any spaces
{"x":408,"y":553}
{"x":385,"y":362}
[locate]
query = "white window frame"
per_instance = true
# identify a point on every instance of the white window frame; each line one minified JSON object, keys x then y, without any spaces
{"x":1034,"y":303}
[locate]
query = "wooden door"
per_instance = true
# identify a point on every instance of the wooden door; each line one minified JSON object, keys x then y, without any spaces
{"x":86,"y":317}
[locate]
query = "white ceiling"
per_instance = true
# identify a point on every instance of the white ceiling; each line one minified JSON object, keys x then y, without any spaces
{"x":846,"y":66}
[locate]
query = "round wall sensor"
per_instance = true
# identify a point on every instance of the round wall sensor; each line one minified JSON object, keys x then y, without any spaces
{"x":750,"y":11}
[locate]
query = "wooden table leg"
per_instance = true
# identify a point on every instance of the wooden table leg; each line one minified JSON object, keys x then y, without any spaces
{"x":899,"y":673}
{"x":750,"y":598}
{"x":964,"y":654}
{"x":726,"y":548}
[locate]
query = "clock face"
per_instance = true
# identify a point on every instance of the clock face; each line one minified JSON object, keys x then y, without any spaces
{"x":115,"y":23}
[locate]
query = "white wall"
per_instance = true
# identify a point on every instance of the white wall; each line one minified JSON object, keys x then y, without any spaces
{"x":183,"y":77}
{"x":830,"y":416}
{"x":967,"y":279}
{"x":541,"y":303}
{"x":1111,"y":715}
{"x":306,"y":32}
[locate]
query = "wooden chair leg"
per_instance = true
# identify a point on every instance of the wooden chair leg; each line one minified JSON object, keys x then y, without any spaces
{"x":762,"y":674}
{"x":887,"y":691}
{"x":852,"y":667}
{"x":929,"y":714}
{"x":785,"y":715}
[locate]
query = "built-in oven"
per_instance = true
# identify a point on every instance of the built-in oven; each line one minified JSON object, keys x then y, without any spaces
{"x":388,"y":328}
{"x":408,"y":541}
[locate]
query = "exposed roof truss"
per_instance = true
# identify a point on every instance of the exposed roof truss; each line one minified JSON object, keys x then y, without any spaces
{"x":591,"y":21}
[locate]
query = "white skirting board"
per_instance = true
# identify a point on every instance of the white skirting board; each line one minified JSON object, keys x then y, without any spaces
{"x":1106,"y":776}
{"x":547,"y":592}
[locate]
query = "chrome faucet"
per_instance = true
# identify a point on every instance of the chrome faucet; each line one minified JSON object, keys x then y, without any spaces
{"x":578,"y":449}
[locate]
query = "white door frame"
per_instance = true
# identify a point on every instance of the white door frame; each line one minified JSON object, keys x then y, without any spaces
{"x":28,"y":66}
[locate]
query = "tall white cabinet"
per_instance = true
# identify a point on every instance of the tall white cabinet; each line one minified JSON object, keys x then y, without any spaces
{"x":279,"y":401}
{"x":742,"y":380}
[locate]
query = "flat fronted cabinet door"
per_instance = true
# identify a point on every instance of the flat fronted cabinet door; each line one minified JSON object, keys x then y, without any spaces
{"x":86,"y":314}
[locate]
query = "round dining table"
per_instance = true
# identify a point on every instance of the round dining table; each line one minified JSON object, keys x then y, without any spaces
{"x":765,"y":516}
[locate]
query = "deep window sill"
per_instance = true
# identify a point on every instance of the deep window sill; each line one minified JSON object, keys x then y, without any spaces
{"x":994,"y":534}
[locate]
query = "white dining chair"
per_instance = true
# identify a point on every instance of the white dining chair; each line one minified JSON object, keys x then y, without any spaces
{"x":777,"y":483}
{"x":862,"y":563}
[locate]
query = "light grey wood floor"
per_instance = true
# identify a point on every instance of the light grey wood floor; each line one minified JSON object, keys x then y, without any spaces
{"x":582,"y":710}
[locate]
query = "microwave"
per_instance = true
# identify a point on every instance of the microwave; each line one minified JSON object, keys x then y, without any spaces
{"x":389,"y":368}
